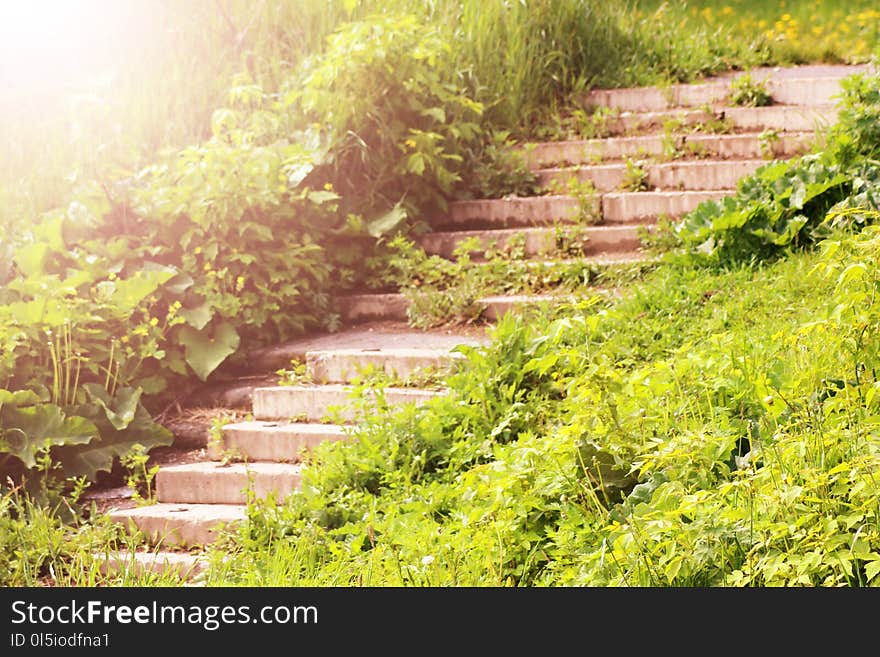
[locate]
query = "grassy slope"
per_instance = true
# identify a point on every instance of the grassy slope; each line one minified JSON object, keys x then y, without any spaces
{"x":685,"y":435}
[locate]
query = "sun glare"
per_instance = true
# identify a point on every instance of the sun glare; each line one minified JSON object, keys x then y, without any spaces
{"x":46,"y":44}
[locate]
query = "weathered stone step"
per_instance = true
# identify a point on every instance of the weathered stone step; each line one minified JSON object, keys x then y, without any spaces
{"x":215,"y":483}
{"x":266,"y":440}
{"x":636,"y":207}
{"x":344,"y":365}
{"x":515,"y":211}
{"x":182,"y":564}
{"x":589,"y":240}
{"x":786,"y":118}
{"x":320,"y":402}
{"x":499,"y":305}
{"x":181,"y":525}
{"x":739,"y":146}
{"x":611,"y":207}
{"x":697,"y":175}
{"x":787,"y":91}
{"x":368,"y":340}
{"x":393,"y":306}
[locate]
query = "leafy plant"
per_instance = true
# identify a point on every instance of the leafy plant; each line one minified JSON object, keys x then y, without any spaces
{"x":635,"y":178}
{"x":784,"y":204}
{"x":497,"y":169}
{"x":745,"y":91}
{"x":140,"y":476}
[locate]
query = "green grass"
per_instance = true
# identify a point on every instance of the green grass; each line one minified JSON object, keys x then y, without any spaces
{"x":713,"y":427}
{"x":779,"y":33}
{"x":51,"y":542}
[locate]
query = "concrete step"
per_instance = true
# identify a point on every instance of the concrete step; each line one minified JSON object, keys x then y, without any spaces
{"x":344,"y":365}
{"x":739,"y":146}
{"x":635,"y":207}
{"x":264,"y":440}
{"x":393,"y":307}
{"x":366,"y":340}
{"x":182,"y":564}
{"x":537,"y":241}
{"x":215,"y":483}
{"x":786,"y":118}
{"x":515,"y":211}
{"x":787,"y":91}
{"x":499,"y":305}
{"x":611,"y":207}
{"x":687,"y":175}
{"x":317,"y":403}
{"x":180,"y":525}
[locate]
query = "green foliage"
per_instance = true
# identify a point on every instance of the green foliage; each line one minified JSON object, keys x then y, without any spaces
{"x":498,"y":168}
{"x":397,"y":122}
{"x":46,"y":540}
{"x":140,"y":476}
{"x":784,"y":204}
{"x":635,"y":178}
{"x":442,"y":291}
{"x":708,"y":429}
{"x":745,"y":91}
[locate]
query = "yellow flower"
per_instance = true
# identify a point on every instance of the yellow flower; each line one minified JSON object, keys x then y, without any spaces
{"x":124,"y":339}
{"x":207,"y":266}
{"x":197,"y":250}
{"x":328,"y":186}
{"x":111,"y":276}
{"x":154,"y":321}
{"x":410,"y":142}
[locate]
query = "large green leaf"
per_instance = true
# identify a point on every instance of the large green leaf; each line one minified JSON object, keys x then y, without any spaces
{"x":27,"y":430}
{"x":603,"y":470}
{"x":387,"y":222}
{"x":99,"y":455}
{"x":206,"y":349}
{"x":128,"y":293}
{"x":18,"y":398}
{"x":199,"y":316}
{"x":120,"y":409}
{"x":31,"y":258}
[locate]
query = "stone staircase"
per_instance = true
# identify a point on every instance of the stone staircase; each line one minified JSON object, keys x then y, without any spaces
{"x":665,"y":133}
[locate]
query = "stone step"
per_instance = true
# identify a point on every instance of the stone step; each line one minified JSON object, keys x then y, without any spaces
{"x":320,"y":402}
{"x":537,"y":241}
{"x":266,"y":440}
{"x":180,"y":525}
{"x":515,"y":211}
{"x":182,"y":564}
{"x":787,"y":91}
{"x":785,"y":118}
{"x":344,"y":365}
{"x":500,"y":305}
{"x":393,"y":306}
{"x":611,"y":207}
{"x":636,"y":207}
{"x":739,"y":146}
{"x":697,"y":175}
{"x":278,"y":356}
{"x":215,"y":483}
